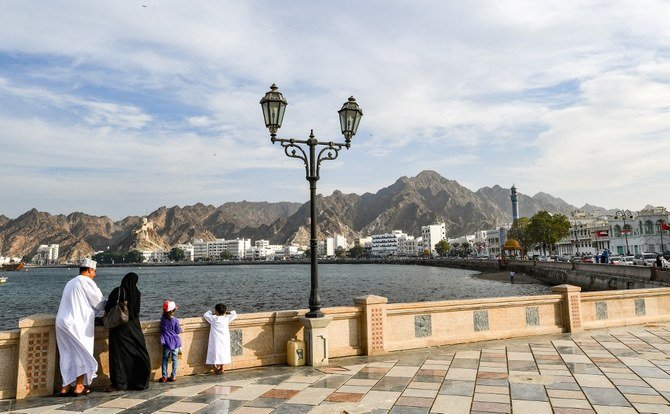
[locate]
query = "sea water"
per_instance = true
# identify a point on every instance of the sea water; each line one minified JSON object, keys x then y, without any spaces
{"x":253,"y":288}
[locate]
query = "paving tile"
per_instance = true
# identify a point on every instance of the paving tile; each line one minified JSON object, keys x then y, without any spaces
{"x":279,"y":393}
{"x":492,"y":389}
{"x":646,"y":390}
{"x":360,"y":382}
{"x":659,"y":384}
{"x":152,"y":405}
{"x":183,"y":407}
{"x":310,"y":379}
{"x":311,"y":396}
{"x":491,"y":407}
{"x":265,"y":402}
{"x":399,"y":409}
{"x":451,"y":404}
{"x":121,"y":403}
{"x":250,"y":392}
{"x":565,"y":394}
{"x":417,"y":392}
{"x":344,"y":397}
{"x":392,"y":384}
{"x":605,"y":396}
{"x":600,"y":381}
{"x":202,"y":398}
{"x":497,"y":398}
{"x":221,"y":407}
{"x":569,"y":410}
{"x":293,"y":386}
{"x":530,"y":392}
{"x":457,"y":387}
{"x":354,"y":389}
{"x":652,"y":408}
{"x":648,"y":399}
{"x":604,"y":409}
{"x":465,"y":363}
{"x":462,"y":374}
{"x":424,"y":385}
{"x":531,"y":407}
{"x":414,"y":402}
{"x":402,"y":371}
{"x":254,"y":410}
{"x":293,"y":409}
{"x":219,"y":390}
{"x":379,"y":399}
{"x":570,"y":403}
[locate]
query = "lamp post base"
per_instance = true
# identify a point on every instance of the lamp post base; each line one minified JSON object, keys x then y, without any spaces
{"x":316,"y":339}
{"x":315,"y":314}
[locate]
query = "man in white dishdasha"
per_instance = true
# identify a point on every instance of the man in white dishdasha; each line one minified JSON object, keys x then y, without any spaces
{"x":75,"y":325}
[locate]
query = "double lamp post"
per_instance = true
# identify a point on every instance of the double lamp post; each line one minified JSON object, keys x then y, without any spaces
{"x":274,"y":107}
{"x":624,"y":214}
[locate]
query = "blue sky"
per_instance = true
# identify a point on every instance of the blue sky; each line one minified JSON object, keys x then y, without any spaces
{"x":118,"y":108}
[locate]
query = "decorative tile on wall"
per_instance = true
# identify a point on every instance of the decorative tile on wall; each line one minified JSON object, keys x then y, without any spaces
{"x":236,"y":343}
{"x":640,"y":307}
{"x":377,"y":329}
{"x":423,"y":326}
{"x":601,"y":310}
{"x":480,"y":320}
{"x":36,"y":369}
{"x":532,"y":316}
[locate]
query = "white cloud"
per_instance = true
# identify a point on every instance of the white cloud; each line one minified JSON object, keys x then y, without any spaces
{"x":556,"y":97}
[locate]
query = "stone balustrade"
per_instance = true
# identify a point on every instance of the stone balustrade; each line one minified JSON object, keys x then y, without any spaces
{"x":373,"y":326}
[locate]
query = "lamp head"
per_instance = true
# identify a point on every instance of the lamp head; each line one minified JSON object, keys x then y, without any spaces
{"x":350,"y":117}
{"x":274,"y":106}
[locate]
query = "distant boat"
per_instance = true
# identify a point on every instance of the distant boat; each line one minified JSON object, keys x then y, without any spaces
{"x":10,"y":267}
{"x":3,"y":279}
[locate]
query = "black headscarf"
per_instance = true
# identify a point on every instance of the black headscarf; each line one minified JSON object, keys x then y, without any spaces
{"x":130,"y":294}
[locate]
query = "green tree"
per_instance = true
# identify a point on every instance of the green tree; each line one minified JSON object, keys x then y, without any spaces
{"x":340,"y":252}
{"x":134,"y":256}
{"x":226,"y":255}
{"x":176,"y":254}
{"x":357,"y":251}
{"x":442,"y":247}
{"x":546,"y":229}
{"x":520,"y":233}
{"x":109,"y":257}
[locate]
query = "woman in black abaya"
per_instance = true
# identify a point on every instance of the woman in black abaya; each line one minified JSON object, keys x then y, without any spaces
{"x":129,"y":366}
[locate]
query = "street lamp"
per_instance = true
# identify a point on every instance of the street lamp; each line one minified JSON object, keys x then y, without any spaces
{"x":274,"y":107}
{"x":624,"y":214}
{"x":577,"y":223}
{"x":661,"y":228}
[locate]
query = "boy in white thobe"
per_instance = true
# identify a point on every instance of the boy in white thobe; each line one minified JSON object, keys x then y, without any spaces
{"x":218,"y":347}
{"x":75,"y":324}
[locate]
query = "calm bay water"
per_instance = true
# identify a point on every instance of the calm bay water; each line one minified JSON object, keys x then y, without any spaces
{"x":254,"y":288}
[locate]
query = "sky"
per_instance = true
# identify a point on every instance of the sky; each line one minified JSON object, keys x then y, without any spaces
{"x":118,"y":108}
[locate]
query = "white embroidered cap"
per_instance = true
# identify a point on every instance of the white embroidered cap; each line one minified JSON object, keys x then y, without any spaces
{"x":89,"y":263}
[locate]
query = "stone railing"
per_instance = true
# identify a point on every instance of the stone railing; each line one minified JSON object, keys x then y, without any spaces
{"x":373,"y":326}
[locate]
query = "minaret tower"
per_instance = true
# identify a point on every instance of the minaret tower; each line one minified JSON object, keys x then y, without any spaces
{"x":515,"y":204}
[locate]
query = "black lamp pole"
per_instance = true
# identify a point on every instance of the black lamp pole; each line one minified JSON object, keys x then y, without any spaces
{"x":577,"y":223}
{"x":660,"y":228}
{"x":274,"y":107}
{"x":624,"y":214}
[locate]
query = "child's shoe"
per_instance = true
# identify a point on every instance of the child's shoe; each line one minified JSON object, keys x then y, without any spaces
{"x":163,"y":379}
{"x":171,"y":379}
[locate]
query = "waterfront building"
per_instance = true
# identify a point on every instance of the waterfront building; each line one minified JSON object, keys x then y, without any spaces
{"x":199,"y":249}
{"x":189,"y":251}
{"x":495,"y":238}
{"x":386,"y":244}
{"x":237,"y":248}
{"x":326,"y":248}
{"x":642,"y":233}
{"x":46,"y":254}
{"x":340,"y":241}
{"x":431,"y":235}
{"x":479,"y":243}
{"x":408,"y":245}
{"x":156,"y":256}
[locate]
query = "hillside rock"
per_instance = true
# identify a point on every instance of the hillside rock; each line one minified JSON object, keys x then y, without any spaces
{"x":407,"y":204}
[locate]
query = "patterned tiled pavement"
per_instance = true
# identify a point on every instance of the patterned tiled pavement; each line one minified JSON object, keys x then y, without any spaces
{"x":623,"y":370}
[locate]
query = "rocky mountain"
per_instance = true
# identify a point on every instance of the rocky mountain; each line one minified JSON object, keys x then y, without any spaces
{"x":407,"y":204}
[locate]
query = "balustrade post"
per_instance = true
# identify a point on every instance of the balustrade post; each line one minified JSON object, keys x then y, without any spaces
{"x":572,"y":306}
{"x":37,"y":356}
{"x":374,"y":323}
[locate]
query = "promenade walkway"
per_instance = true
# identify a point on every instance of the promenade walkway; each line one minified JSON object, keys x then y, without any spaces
{"x":620,"y":370}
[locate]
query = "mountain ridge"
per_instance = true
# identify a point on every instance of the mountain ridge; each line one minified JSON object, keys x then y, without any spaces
{"x":407,"y":204}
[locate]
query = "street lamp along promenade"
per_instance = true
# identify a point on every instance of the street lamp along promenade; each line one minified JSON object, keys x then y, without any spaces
{"x":274,"y":107}
{"x":625,"y":214}
{"x":577,"y":223}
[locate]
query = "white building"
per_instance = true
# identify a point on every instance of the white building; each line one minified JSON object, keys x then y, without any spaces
{"x":213,"y":249}
{"x":495,"y":239}
{"x":156,"y":256}
{"x":384,"y":245}
{"x":237,"y":247}
{"x":432,"y":234}
{"x":189,"y":251}
{"x":326,"y":248}
{"x":46,"y":254}
{"x":340,"y":241}
{"x":641,"y":233}
{"x":409,"y":246}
